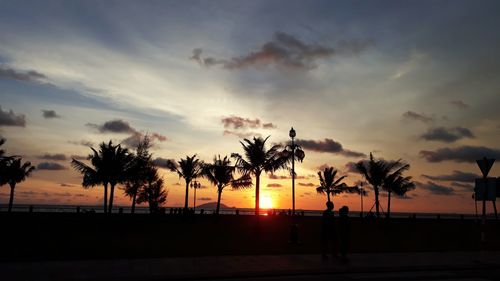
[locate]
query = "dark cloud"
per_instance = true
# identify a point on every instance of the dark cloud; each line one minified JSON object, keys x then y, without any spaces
{"x":12,"y":74}
{"x":162,"y":162}
{"x":9,"y":118}
{"x":113,"y":126}
{"x":328,"y":146}
{"x":411,"y":115}
{"x":463,"y":186}
{"x":447,"y":134}
{"x":435,"y":188}
{"x":286,"y":51}
{"x":460,"y":154}
{"x":351,"y":167}
{"x":52,"y":166}
{"x":47,"y":114}
{"x":306,"y":184}
{"x":459,"y":104}
{"x":57,"y":156}
{"x":82,"y":142}
{"x":276,"y":177}
{"x":67,"y":185}
{"x":134,"y":139}
{"x":205,"y":199}
{"x":236,"y":122}
{"x":274,"y":185}
{"x":456,"y":176}
{"x":269,"y":126}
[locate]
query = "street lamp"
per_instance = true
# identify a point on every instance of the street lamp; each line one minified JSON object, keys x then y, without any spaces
{"x":195,"y":185}
{"x":292,"y":135}
{"x":361,"y":191}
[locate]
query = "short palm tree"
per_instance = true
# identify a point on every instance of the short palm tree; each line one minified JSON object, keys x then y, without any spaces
{"x":138,"y":171}
{"x":329,"y":184}
{"x":189,"y":169}
{"x":221,"y":174}
{"x":109,"y":166}
{"x":14,"y":173}
{"x":153,"y":192}
{"x":397,"y":184}
{"x":258,"y":159}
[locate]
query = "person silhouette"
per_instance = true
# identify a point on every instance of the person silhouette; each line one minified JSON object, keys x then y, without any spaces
{"x":328,"y":233}
{"x":344,"y":230}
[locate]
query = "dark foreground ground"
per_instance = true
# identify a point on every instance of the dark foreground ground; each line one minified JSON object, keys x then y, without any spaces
{"x":52,"y":236}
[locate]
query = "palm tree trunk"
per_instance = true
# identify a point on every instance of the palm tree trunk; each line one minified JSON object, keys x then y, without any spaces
{"x":328,"y":196}
{"x":377,"y":203}
{"x":133,"y":202}
{"x":257,"y":193}
{"x":105,"y":198}
{"x":186,"y":198}
{"x":111,"y":195}
{"x":218,"y":201}
{"x":11,"y":199}
{"x":389,"y":205}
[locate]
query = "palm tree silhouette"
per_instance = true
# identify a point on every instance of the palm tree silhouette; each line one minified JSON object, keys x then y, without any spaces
{"x":221,"y":174}
{"x":189,"y":169}
{"x":138,"y":171}
{"x":258,"y":159}
{"x":377,"y":172}
{"x":330,"y":185}
{"x":14,"y":173}
{"x":110,"y":167}
{"x":397,"y":184}
{"x":153,"y":192}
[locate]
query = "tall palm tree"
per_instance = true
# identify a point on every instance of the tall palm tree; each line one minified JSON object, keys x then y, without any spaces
{"x":221,"y":174}
{"x":138,"y":171}
{"x":16,"y":172}
{"x":153,"y":192}
{"x":258,"y":159}
{"x":189,"y":169}
{"x":329,"y":184}
{"x":376,"y":172}
{"x":397,"y":184}
{"x":109,"y":167}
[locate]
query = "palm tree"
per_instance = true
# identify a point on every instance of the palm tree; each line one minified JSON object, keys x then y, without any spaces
{"x":398,"y":184}
{"x":16,"y":172}
{"x":221,"y":174}
{"x":109,"y":167}
{"x":189,"y":169}
{"x":258,"y":159}
{"x":137,"y":173}
{"x":330,"y":185}
{"x":153,"y":192}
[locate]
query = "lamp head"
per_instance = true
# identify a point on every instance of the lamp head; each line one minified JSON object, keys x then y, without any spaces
{"x":292,"y":133}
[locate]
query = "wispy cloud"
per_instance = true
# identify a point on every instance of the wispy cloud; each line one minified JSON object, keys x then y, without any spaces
{"x":328,"y":146}
{"x":57,"y":157}
{"x":411,"y":115}
{"x":51,"y":166}
{"x":456,"y":176}
{"x":7,"y":72}
{"x":465,"y":153}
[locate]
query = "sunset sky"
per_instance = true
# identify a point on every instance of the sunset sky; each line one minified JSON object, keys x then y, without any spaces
{"x":416,"y":80}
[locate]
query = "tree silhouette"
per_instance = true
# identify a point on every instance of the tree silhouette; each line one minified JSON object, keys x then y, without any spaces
{"x":221,"y":174}
{"x":329,"y":184}
{"x":109,"y":167}
{"x":14,"y":173}
{"x":153,"y":192}
{"x":397,"y":184}
{"x":258,"y":159}
{"x":189,"y":169}
{"x":138,"y":170}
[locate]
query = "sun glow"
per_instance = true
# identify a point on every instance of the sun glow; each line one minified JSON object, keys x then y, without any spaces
{"x":266,"y":202}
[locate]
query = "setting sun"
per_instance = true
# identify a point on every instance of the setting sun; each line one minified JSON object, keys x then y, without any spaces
{"x":266,"y":202}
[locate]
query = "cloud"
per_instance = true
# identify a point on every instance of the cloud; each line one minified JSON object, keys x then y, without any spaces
{"x":86,"y":143}
{"x":47,"y":114}
{"x":460,"y":154}
{"x":328,"y":146}
{"x":351,"y":167}
{"x":113,"y":126}
{"x":276,"y":177}
{"x":67,"y":185}
{"x":134,"y":139}
{"x":269,"y":126}
{"x":459,"y":104}
{"x":12,"y":74}
{"x":9,"y":118}
{"x":306,"y":184}
{"x":456,"y":176}
{"x":286,"y":51}
{"x":447,"y":134}
{"x":241,"y":134}
{"x":463,"y":186}
{"x":162,"y":162}
{"x":435,"y":188}
{"x":411,"y":115}
{"x":57,"y":157}
{"x":52,"y":166}
{"x":277,"y":185}
{"x":204,"y":198}
{"x":236,"y":122}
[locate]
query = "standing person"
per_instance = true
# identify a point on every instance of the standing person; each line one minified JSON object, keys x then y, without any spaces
{"x":344,"y":231}
{"x":328,"y":233}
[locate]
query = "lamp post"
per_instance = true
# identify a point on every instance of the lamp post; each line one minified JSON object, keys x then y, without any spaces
{"x":292,"y":135}
{"x":361,"y":191}
{"x":195,"y":185}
